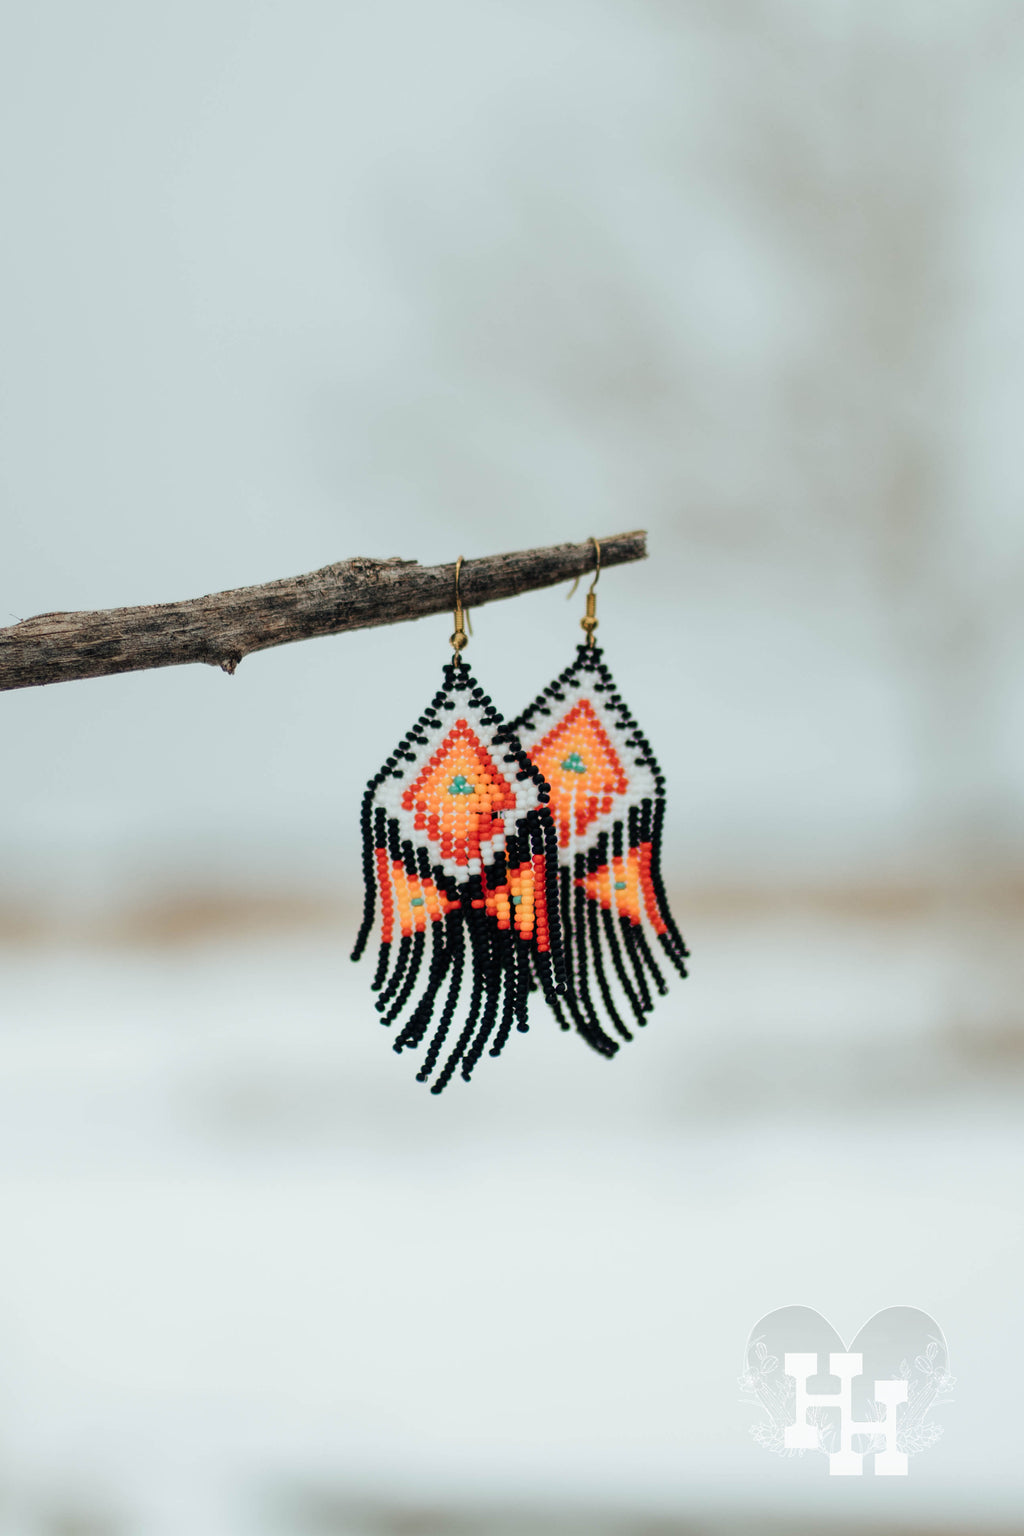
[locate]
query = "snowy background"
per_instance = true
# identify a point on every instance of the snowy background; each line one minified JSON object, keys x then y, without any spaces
{"x":286,"y":283}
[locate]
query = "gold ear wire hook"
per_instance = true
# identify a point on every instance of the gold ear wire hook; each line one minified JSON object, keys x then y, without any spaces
{"x":458,"y":640}
{"x":589,"y":622}
{"x":597,"y":571}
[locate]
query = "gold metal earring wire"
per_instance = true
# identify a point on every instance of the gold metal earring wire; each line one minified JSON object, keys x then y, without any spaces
{"x":589,"y":622}
{"x":459,"y":640}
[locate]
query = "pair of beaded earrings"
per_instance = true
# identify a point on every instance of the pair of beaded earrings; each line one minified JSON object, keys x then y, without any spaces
{"x":530,"y":853}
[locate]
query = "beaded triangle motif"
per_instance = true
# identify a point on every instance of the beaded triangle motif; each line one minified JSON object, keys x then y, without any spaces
{"x":608,"y":806}
{"x":459,"y":846}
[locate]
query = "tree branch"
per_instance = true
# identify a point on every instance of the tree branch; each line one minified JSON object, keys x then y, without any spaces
{"x":224,"y":627}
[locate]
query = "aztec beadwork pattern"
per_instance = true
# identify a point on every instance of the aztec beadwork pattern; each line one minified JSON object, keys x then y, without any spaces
{"x":459,"y":848}
{"x":608,"y":805}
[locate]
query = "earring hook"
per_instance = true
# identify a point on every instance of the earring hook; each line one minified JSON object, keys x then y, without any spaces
{"x":597,"y":570}
{"x":597,"y":561}
{"x":589,"y":622}
{"x":458,"y":640}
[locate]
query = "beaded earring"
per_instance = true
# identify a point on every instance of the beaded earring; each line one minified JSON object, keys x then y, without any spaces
{"x":458,"y":842}
{"x":608,"y":805}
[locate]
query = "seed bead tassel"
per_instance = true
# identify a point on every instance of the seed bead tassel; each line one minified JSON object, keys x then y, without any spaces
{"x":593,"y":1034}
{"x":369,"y":868}
{"x":611,"y":940}
{"x":440,"y":959}
{"x":499,"y":996}
{"x":627,"y":927}
{"x":517,"y":855}
{"x":671,"y":939}
{"x":458,"y":948}
{"x":378,"y":878}
{"x":639,"y":936}
{"x":478,"y":940}
{"x":590,"y":864}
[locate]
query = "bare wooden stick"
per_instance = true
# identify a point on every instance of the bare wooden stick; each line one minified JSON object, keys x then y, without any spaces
{"x":224,"y":627}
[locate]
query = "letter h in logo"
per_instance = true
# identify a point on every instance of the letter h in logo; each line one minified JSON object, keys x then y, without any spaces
{"x":846,"y":1461}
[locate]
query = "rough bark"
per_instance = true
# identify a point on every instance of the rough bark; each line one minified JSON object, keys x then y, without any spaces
{"x":224,"y":627}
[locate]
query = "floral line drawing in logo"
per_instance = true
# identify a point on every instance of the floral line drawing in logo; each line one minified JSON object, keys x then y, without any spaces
{"x":932,"y":1384}
{"x":773,"y":1391}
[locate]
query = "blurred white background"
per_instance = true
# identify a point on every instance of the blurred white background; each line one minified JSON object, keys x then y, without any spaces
{"x":286,"y":283}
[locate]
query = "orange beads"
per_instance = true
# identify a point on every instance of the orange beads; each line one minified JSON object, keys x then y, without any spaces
{"x":583,"y":769}
{"x":458,"y":795}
